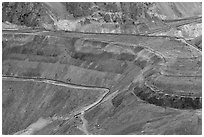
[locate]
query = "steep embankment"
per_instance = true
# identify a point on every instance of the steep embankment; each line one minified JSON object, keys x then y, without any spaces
{"x":119,"y":63}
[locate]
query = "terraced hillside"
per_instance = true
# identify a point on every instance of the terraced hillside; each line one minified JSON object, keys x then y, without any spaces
{"x":150,"y":68}
{"x":56,"y":81}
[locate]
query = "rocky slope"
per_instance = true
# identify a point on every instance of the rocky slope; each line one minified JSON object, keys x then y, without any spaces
{"x":103,"y":17}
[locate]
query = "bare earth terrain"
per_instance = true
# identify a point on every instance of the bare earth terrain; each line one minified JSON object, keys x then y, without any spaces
{"x":62,"y":75}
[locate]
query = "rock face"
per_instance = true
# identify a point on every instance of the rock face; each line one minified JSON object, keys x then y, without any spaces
{"x":57,"y":82}
{"x":108,"y":17}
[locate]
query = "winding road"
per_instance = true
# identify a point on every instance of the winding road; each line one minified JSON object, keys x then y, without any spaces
{"x":79,"y":112}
